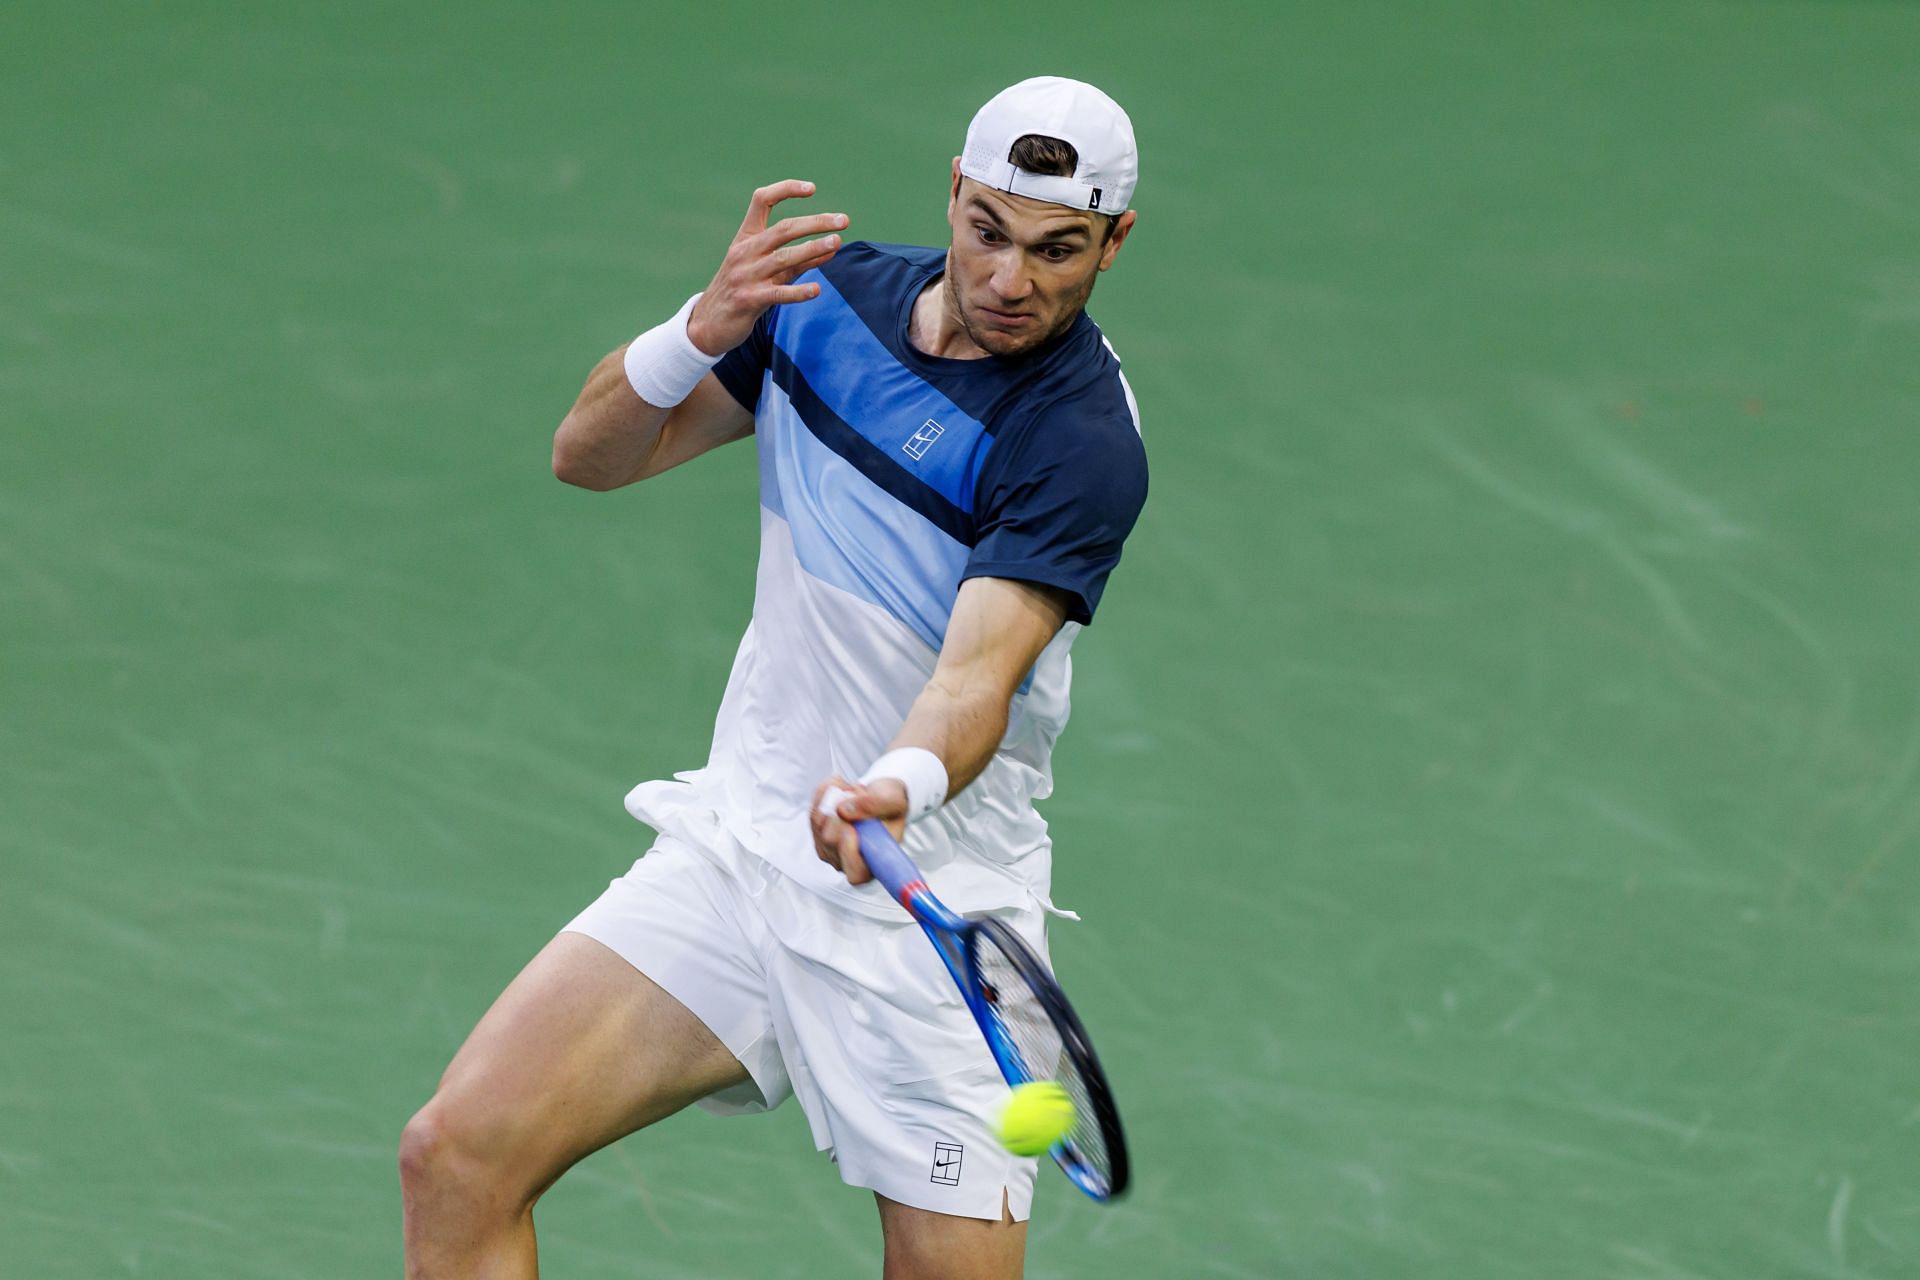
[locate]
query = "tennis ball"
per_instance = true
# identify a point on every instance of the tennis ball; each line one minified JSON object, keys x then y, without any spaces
{"x":1038,"y":1115}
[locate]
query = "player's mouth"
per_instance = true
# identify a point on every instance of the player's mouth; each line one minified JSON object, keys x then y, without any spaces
{"x":1006,"y":319}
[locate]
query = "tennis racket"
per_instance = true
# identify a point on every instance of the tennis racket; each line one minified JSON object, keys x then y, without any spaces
{"x":1028,"y":1024}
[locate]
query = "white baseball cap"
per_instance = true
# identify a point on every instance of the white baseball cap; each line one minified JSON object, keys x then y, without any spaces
{"x":1072,"y":111}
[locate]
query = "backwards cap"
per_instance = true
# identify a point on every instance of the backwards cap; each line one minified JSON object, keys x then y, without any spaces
{"x":1072,"y":111}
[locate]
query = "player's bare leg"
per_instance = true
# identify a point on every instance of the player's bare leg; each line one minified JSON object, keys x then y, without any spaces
{"x":580,"y":1050}
{"x":924,"y":1245}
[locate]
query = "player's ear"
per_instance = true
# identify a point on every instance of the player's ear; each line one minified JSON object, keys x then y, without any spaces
{"x":1122,"y":227}
{"x":953,"y":189}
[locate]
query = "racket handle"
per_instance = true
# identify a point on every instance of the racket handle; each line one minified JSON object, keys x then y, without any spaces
{"x":887,"y":860}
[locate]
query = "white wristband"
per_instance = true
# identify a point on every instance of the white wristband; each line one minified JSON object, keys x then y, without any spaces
{"x":925,"y":778}
{"x":663,"y":365}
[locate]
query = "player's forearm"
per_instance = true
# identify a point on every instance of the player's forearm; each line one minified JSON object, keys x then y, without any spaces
{"x":963,"y":726}
{"x":998,"y":631}
{"x":608,"y":435}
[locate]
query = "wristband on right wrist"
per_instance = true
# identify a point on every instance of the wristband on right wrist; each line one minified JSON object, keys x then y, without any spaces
{"x":921,"y":771}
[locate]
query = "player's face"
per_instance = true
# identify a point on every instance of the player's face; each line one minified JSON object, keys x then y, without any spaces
{"x":1019,"y":270}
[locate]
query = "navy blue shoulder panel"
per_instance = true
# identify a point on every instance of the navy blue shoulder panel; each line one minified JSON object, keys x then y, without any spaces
{"x":876,"y":280}
{"x":1062,"y":489}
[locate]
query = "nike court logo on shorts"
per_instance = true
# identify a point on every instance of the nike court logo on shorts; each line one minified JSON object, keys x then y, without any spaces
{"x":946,"y":1163}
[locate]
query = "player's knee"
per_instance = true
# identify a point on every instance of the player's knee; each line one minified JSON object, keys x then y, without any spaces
{"x":446,"y":1155}
{"x":423,"y":1150}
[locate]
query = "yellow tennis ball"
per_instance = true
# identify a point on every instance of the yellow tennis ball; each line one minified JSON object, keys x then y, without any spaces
{"x":1038,"y":1115}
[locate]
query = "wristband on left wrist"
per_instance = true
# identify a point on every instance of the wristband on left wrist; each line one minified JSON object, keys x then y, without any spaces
{"x":663,"y":365}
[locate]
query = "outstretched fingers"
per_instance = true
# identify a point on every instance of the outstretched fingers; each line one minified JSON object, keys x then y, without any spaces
{"x":816,"y":253}
{"x":787,"y":258}
{"x":787,"y":230}
{"x":764,"y":198}
{"x":760,"y":267}
{"x":783,"y":293}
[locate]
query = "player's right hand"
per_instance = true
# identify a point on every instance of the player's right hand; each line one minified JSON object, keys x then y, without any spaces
{"x":838,"y":804}
{"x":760,"y":266}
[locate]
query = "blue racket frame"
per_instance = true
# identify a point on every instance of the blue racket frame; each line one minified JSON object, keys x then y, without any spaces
{"x":953,"y":936}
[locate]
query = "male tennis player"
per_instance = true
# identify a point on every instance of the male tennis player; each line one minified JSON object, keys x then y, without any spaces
{"x":949,"y":462}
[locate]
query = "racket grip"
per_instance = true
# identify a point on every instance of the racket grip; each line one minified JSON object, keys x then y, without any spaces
{"x":886,"y":859}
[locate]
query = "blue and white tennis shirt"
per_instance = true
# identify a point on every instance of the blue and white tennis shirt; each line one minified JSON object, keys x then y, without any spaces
{"x":888,"y":477}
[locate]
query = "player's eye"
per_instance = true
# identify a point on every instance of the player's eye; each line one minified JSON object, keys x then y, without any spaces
{"x":988,"y":235}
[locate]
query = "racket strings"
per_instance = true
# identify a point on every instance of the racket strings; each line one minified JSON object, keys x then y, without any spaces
{"x":1030,"y":1027}
{"x":1021,"y":1014}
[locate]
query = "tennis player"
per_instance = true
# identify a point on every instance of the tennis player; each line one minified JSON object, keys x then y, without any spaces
{"x":950,"y":460}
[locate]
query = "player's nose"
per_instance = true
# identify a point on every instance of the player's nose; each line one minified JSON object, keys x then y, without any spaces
{"x":1011,"y":283}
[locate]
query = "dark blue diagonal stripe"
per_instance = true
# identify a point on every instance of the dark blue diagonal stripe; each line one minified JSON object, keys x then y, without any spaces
{"x":866,"y":457}
{"x":875,"y":393}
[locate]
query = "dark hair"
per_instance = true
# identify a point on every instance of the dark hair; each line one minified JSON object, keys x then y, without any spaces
{"x":1049,"y":157}
{"x":1052,"y":158}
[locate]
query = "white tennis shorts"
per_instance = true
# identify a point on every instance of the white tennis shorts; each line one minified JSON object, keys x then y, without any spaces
{"x":856,"y":1017}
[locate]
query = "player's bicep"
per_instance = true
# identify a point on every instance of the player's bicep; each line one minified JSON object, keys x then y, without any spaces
{"x":706,"y":419}
{"x":997,"y":631}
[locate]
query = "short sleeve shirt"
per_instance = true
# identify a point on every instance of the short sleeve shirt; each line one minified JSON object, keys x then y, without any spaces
{"x":887,"y":478}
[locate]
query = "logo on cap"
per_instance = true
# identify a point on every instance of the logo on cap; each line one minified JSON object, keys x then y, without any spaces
{"x":1095,"y":202}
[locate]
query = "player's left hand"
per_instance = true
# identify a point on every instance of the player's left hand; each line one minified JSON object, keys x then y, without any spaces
{"x":834,"y":840}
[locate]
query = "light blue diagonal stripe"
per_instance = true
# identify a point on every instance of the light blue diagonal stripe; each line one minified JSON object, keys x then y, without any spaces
{"x":848,"y":531}
{"x":858,"y":378}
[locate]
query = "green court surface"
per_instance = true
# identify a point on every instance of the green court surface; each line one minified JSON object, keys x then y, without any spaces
{"x":1494,"y":785}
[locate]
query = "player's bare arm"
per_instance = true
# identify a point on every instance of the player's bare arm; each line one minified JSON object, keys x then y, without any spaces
{"x":998,"y":629}
{"x":613,"y":437}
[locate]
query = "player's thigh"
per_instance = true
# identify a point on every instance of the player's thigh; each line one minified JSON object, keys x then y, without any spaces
{"x":924,"y":1245}
{"x":580,"y":1049}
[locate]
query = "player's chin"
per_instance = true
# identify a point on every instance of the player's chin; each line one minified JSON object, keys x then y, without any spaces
{"x":1001,"y":342}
